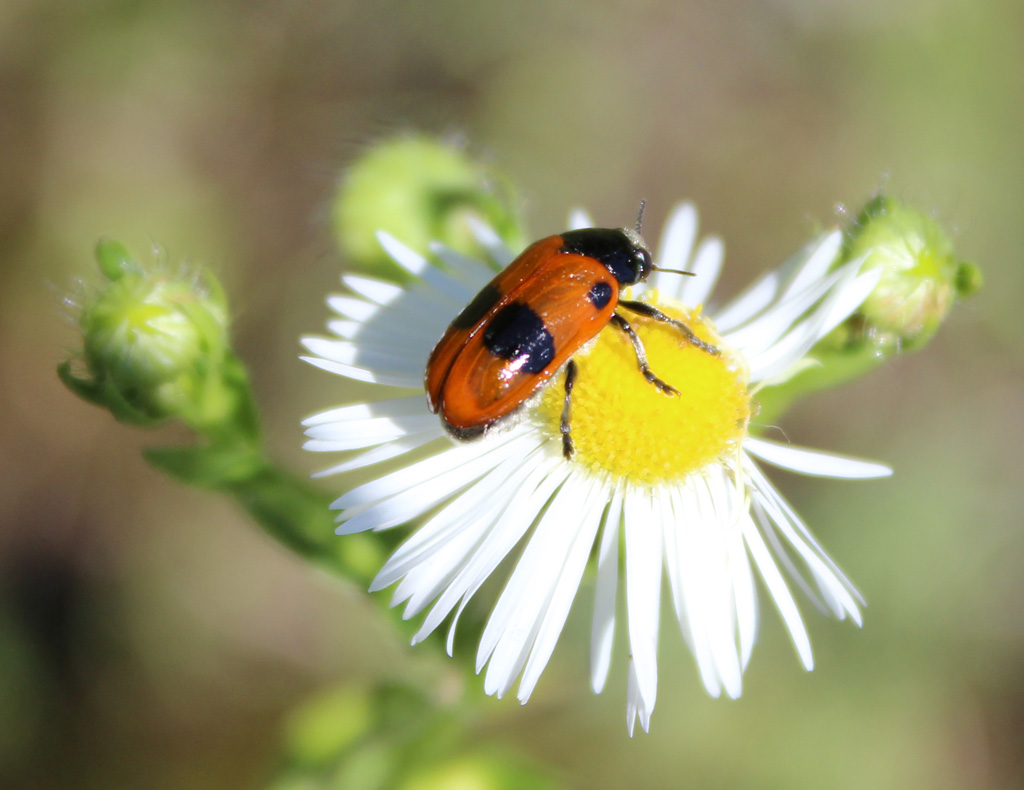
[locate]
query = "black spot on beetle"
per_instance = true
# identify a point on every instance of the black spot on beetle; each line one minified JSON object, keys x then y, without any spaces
{"x":518,"y":334}
{"x":600,"y":295}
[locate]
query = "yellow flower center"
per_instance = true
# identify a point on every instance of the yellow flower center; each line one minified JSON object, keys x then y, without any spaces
{"x":623,"y":425}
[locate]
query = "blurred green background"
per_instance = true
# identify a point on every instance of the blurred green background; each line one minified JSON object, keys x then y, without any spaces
{"x":150,"y":637}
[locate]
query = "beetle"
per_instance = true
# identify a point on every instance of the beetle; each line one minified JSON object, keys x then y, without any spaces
{"x":527,"y":323}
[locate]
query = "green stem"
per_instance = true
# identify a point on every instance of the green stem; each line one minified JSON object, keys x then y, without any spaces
{"x":835,"y":368}
{"x":285,"y":506}
{"x":297,"y":516}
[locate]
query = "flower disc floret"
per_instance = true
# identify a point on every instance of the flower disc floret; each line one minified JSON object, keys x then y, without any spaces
{"x":624,"y":426}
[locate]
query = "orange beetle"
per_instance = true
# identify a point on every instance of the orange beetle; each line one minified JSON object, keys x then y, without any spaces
{"x":526,"y":324}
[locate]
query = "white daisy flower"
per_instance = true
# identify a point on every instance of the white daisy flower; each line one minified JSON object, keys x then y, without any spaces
{"x":673,"y":481}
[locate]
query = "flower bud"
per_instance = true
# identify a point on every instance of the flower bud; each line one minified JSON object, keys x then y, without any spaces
{"x":479,"y":771}
{"x":327,"y":725}
{"x":154,"y":343}
{"x":920,"y":281}
{"x":921,"y":277}
{"x":419,"y":190}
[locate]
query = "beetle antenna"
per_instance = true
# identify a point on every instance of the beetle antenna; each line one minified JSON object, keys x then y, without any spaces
{"x":675,"y":271}
{"x":640,"y":217}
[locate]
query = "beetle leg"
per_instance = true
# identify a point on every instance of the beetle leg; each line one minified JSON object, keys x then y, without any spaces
{"x":641,"y":355}
{"x":570,"y":379}
{"x":650,"y":311}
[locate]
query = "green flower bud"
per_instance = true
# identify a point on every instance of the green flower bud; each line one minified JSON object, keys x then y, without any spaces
{"x":419,"y":190}
{"x":155,"y":344}
{"x":324,"y":727}
{"x":921,"y":277}
{"x":480,"y":772}
{"x":920,"y":281}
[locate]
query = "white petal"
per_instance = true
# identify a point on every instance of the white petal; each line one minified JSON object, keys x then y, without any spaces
{"x":762,"y":333}
{"x":410,"y":504}
{"x":376,"y":291}
{"x":495,"y":536}
{"x":674,"y":250}
{"x":817,"y":264}
{"x":793,"y":345}
{"x":369,"y":356}
{"x":763,"y":490}
{"x":580,"y":219}
{"x":677,"y":238}
{"x":405,"y":379}
{"x":384,"y":452}
{"x":451,"y":545}
{"x":519,"y":611}
{"x":707,"y":264}
{"x":841,"y":597}
{"x":702,"y":584}
{"x":543,"y":495}
{"x":344,"y":328}
{"x":789,"y":350}
{"x":474,"y":273}
{"x":779,"y":591}
{"x":748,"y":304}
{"x":391,"y":361}
{"x":635,"y":706}
{"x":408,"y":333}
{"x":545,"y":478}
{"x":814,"y":462}
{"x":713,"y":570}
{"x":566,"y":586}
{"x":372,"y":430}
{"x":796,"y":574}
{"x":418,"y":311}
{"x":490,"y":241}
{"x":850,"y":299}
{"x":744,"y":594}
{"x":352,"y":307}
{"x":603,"y":629}
{"x":831,"y":593}
{"x":416,"y":264}
{"x":344,"y":436}
{"x":643,"y":590}
{"x":845,"y":295}
{"x":397,"y":407}
{"x":426,"y":580}
{"x":483,"y":455}
{"x":676,"y":554}
{"x":466,"y":512}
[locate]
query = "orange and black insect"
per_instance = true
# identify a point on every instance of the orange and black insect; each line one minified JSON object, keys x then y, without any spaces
{"x":527,"y":323}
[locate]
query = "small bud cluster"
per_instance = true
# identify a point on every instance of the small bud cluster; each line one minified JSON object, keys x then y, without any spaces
{"x":420,"y":190}
{"x":921,"y":277}
{"x":155,"y":343}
